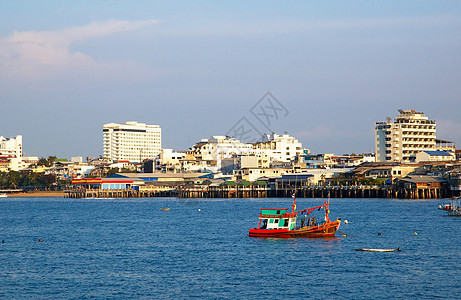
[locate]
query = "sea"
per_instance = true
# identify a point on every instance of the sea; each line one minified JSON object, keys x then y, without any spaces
{"x":59,"y":248}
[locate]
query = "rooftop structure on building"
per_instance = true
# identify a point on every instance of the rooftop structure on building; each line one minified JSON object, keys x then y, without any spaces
{"x":399,"y":140}
{"x":443,"y":145}
{"x":132,"y":141}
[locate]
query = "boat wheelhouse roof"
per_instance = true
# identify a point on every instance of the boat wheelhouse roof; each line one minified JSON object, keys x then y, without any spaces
{"x":273,"y":212}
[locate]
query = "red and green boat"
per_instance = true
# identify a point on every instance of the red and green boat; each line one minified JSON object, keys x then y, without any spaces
{"x":279,"y":223}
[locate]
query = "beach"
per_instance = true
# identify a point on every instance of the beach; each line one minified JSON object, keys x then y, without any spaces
{"x":38,"y":194}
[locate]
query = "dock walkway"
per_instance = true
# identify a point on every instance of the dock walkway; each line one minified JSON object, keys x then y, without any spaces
{"x":263,"y":192}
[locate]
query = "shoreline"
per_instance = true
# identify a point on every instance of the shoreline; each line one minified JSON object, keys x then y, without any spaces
{"x":37,"y":194}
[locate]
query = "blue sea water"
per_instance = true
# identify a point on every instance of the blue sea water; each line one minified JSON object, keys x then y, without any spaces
{"x":128,"y":248}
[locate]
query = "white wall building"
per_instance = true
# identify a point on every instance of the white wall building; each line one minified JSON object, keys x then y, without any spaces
{"x":410,"y":133}
{"x":132,"y":141}
{"x":220,"y":147}
{"x":276,"y":148}
{"x":435,"y":156}
{"x":170,"y":157}
{"x":281,"y":148}
{"x":11,"y":153}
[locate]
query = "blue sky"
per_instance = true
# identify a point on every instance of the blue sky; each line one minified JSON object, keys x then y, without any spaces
{"x":196,"y":69}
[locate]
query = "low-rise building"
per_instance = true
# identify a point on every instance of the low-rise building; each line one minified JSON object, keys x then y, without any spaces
{"x":253,"y":174}
{"x":385,"y":171}
{"x":280,"y":148}
{"x":435,"y":156}
{"x":170,"y":157}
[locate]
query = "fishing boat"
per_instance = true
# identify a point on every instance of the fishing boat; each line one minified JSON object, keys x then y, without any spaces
{"x":453,"y":208}
{"x":279,"y":223}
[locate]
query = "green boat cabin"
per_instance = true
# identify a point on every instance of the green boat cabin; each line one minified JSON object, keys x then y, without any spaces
{"x":274,"y":218}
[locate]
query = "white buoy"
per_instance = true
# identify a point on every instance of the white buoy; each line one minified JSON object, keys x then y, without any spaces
{"x":345,"y":222}
{"x":199,"y":209}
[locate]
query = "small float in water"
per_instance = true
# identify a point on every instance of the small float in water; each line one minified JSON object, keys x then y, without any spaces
{"x":378,"y":250}
{"x":278,"y":223}
{"x":165,"y":209}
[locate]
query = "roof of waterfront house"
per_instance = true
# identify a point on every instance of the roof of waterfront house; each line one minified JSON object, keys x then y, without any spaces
{"x":437,"y":153}
{"x":104,"y":180}
{"x":421,"y":179}
{"x":163,"y":176}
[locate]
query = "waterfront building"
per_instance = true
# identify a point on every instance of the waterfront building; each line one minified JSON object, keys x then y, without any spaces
{"x":273,"y":151}
{"x":220,"y":147}
{"x":253,"y":174}
{"x":229,"y":165}
{"x":435,"y":156}
{"x":11,"y":154}
{"x":384,"y":170}
{"x":170,"y":157}
{"x":132,"y":141}
{"x":253,"y":161}
{"x":318,"y":175}
{"x":400,"y":140}
{"x":280,"y":148}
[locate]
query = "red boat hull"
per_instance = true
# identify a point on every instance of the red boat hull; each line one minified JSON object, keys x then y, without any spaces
{"x":324,"y":230}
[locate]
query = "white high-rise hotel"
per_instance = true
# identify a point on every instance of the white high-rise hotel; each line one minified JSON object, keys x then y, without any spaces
{"x":410,"y":133}
{"x":132,"y":141}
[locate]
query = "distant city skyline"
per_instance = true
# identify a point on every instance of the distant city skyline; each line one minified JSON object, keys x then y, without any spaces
{"x":198,"y":70}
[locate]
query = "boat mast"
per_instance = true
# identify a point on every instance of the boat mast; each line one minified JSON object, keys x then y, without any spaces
{"x":294,"y":201}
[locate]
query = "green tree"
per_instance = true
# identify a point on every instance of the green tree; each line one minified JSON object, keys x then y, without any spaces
{"x":14,"y":179}
{"x":47,"y":162}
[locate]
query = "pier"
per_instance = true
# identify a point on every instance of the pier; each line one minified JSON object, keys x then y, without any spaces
{"x":119,"y":193}
{"x":314,"y":192}
{"x":265,"y":192}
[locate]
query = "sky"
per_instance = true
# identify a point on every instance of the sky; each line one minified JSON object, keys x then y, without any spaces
{"x":321,"y":71}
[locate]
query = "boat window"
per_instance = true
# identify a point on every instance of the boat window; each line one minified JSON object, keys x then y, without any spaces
{"x":278,"y":212}
{"x":264,"y":225}
{"x":271,"y":220}
{"x":276,"y":221}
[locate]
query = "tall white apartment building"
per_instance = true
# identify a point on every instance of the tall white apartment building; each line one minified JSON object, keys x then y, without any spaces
{"x":132,"y":141}
{"x":398,"y":140}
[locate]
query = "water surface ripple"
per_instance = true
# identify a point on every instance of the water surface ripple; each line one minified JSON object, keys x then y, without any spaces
{"x":128,"y":248}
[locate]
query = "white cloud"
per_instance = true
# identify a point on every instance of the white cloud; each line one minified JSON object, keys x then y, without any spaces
{"x":44,"y":54}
